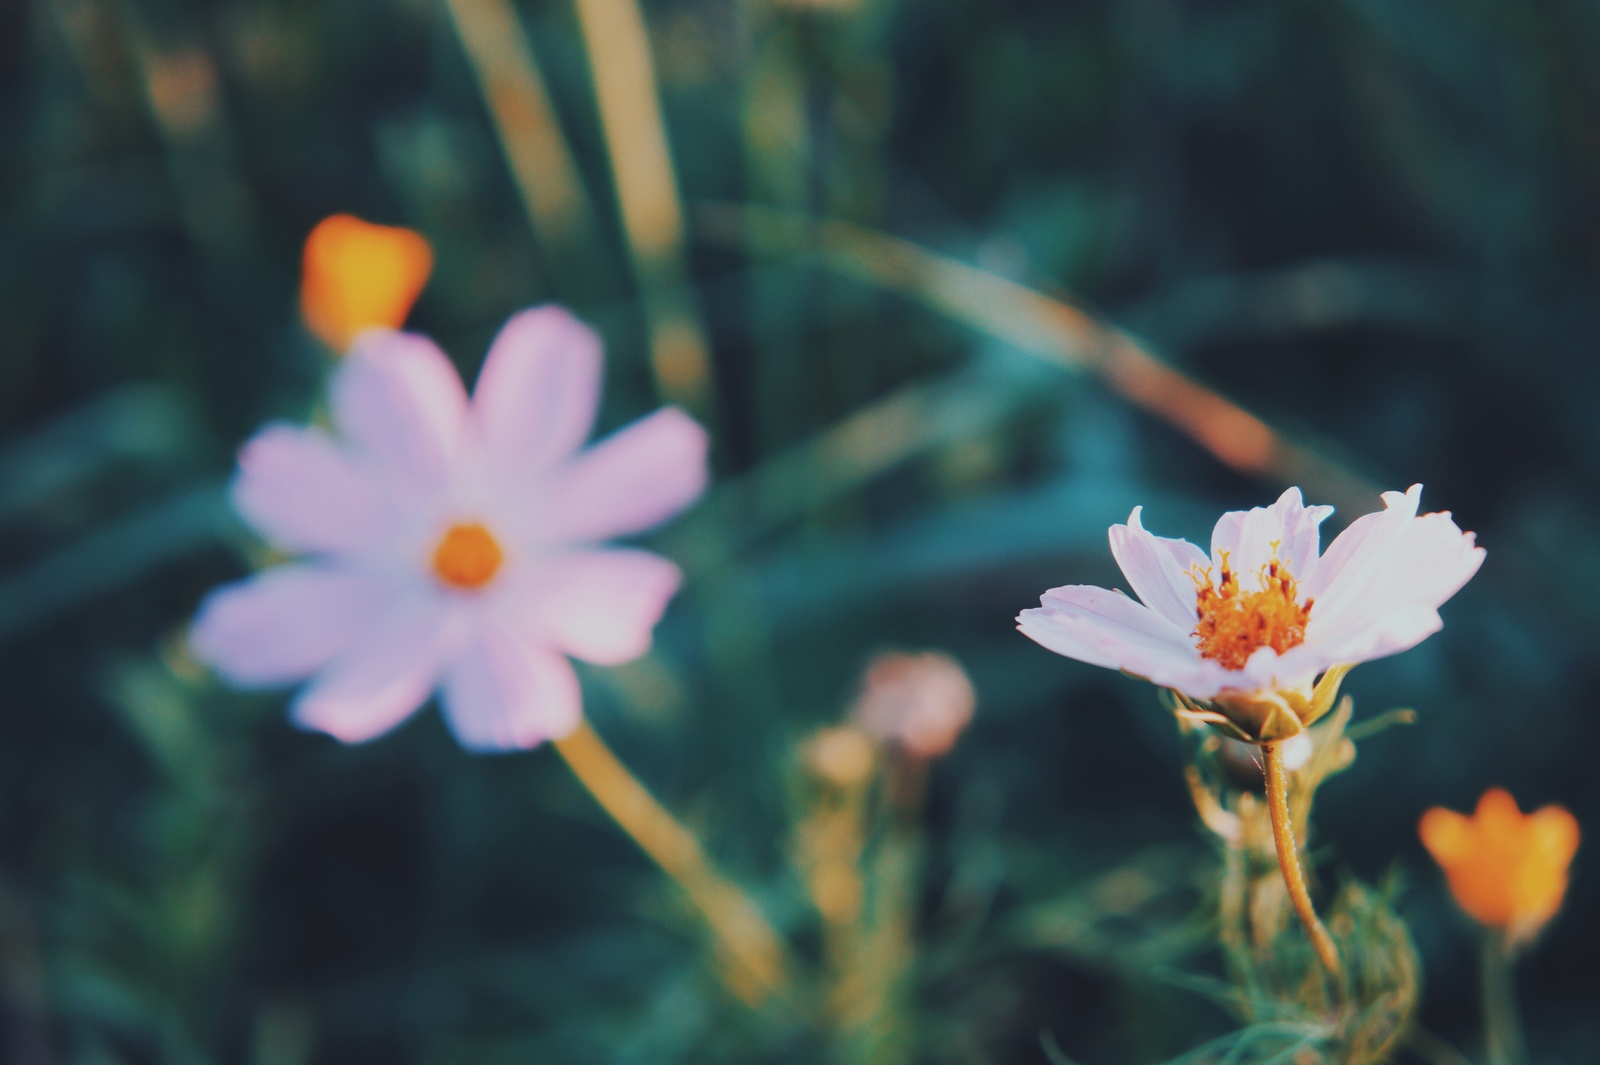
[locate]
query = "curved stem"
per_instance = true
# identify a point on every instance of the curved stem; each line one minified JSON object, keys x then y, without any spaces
{"x":756,"y":958}
{"x":1289,"y":857}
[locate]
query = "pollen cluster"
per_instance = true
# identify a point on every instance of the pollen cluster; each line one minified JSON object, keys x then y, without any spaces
{"x":1233,"y":623}
{"x":468,"y":557}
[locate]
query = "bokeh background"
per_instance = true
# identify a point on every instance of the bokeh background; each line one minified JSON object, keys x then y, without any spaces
{"x":1373,"y":224}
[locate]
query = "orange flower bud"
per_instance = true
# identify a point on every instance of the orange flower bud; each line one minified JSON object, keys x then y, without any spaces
{"x":1506,"y":869}
{"x":359,"y":276}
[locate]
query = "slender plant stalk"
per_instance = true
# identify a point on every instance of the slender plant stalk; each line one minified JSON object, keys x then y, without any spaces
{"x":832,"y":847}
{"x":889,"y":1037}
{"x":1044,"y":327}
{"x":1502,"y":1029}
{"x":513,"y":88}
{"x":1433,"y":1050}
{"x":618,"y":43}
{"x":1294,"y":877}
{"x":756,"y":962}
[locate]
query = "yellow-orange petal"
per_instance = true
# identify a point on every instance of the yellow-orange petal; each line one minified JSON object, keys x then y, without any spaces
{"x":1446,"y":834}
{"x":357,"y":276}
{"x":1506,"y":869}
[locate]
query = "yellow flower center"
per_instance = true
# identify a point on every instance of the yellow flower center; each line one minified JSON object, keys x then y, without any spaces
{"x":1234,"y":623}
{"x":468,"y":557}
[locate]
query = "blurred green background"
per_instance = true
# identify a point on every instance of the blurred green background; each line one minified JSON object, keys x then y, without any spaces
{"x":1373,"y":223}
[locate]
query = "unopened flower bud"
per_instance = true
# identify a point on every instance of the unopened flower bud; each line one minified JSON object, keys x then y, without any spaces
{"x":920,"y":702}
{"x":842,"y":756}
{"x":358,"y":276}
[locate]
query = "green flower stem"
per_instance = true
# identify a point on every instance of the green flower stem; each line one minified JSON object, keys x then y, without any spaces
{"x":757,"y":964}
{"x":1289,"y":856}
{"x":1502,"y":1029}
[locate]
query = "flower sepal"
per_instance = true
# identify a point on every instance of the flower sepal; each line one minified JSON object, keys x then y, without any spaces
{"x":1264,"y":716}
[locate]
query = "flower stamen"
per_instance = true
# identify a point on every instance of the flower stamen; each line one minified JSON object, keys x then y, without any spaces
{"x":468,"y":557}
{"x":1234,"y":624}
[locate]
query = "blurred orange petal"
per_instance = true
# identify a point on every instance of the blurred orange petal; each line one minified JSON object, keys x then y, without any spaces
{"x":358,"y":276}
{"x":1506,"y":869}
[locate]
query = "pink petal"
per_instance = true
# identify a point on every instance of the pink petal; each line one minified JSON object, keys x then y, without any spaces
{"x":506,"y":694}
{"x":382,"y":677}
{"x":601,"y":606}
{"x":303,"y":493}
{"x":1105,"y":628}
{"x":1158,"y":569}
{"x":536,"y":396}
{"x":399,"y":402}
{"x":635,"y":478}
{"x":283,"y":625}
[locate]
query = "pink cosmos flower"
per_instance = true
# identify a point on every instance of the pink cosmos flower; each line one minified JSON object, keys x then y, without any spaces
{"x":1240,"y":635}
{"x":451,"y":543}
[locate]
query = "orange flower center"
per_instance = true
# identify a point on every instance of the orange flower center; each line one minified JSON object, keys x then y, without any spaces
{"x":1234,"y":623}
{"x":468,"y":557}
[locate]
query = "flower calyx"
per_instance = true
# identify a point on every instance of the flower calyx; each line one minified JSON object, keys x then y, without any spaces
{"x":1263,"y":716}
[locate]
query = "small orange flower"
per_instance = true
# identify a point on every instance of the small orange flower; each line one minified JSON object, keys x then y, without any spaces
{"x":359,"y":276}
{"x":1507,"y":869}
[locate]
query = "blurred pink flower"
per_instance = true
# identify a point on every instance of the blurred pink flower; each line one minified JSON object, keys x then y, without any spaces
{"x":450,"y":543}
{"x":1251,"y":626}
{"x":921,"y":702}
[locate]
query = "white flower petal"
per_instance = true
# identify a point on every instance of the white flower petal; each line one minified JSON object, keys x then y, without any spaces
{"x":601,"y":606}
{"x":1396,"y":630}
{"x":303,"y":493}
{"x":383,"y":676}
{"x":1441,"y":560}
{"x":503,"y":693}
{"x":1363,"y":545}
{"x":634,"y":479}
{"x":1302,"y":533}
{"x":1394,"y":554}
{"x":1105,"y":628}
{"x":536,"y":396}
{"x":1250,"y":538}
{"x":1382,"y":581}
{"x":283,"y":625}
{"x":1225,"y":540}
{"x":1266,"y":669}
{"x":1158,"y":569}
{"x":400,"y":404}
